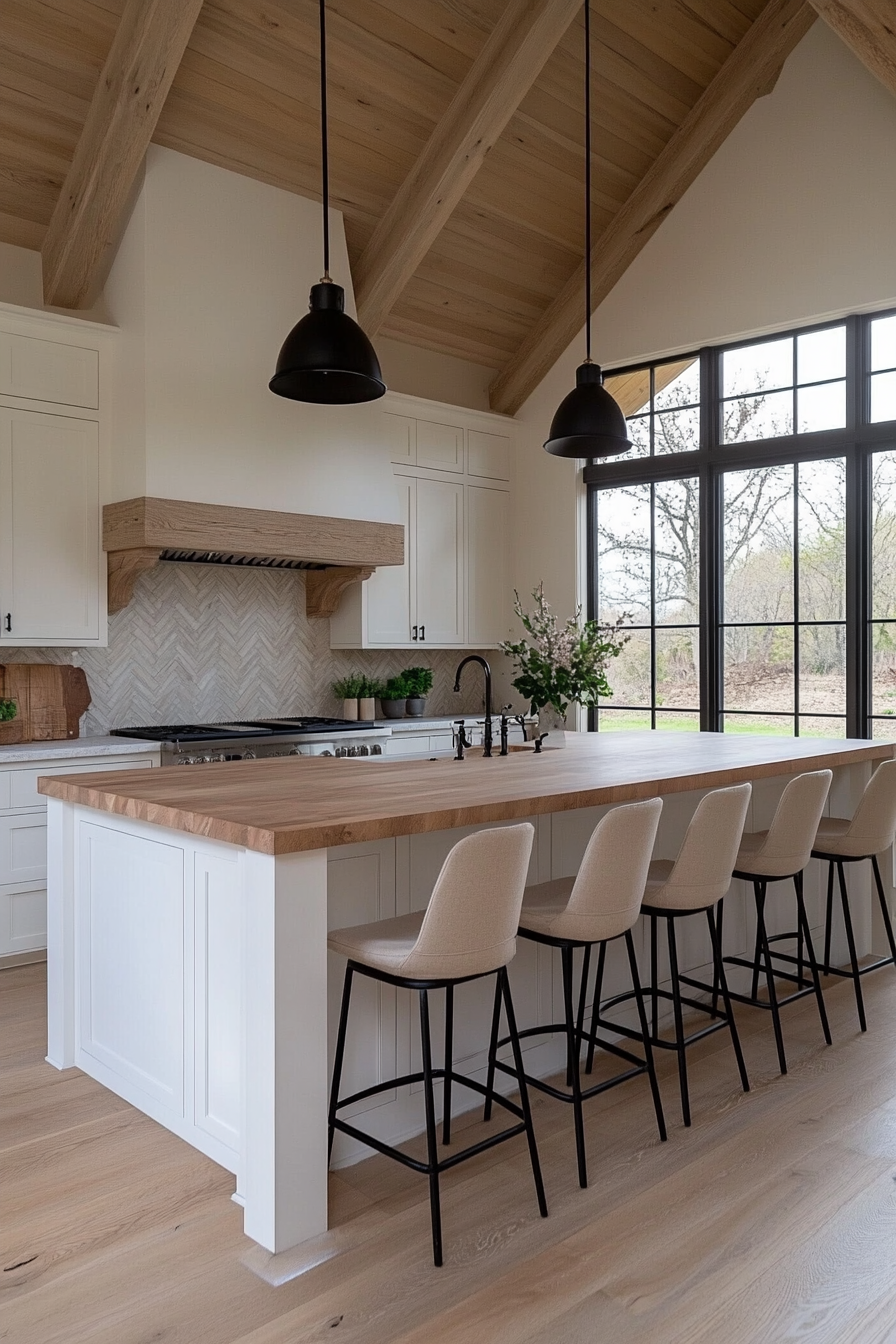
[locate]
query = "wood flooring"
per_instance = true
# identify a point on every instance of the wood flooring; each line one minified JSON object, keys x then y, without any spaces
{"x":773,"y":1219}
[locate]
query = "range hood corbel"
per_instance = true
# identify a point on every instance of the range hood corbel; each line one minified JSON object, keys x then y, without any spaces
{"x":140,"y":533}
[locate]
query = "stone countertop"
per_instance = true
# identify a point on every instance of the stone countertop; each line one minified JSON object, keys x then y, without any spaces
{"x":69,"y":748}
{"x":284,"y":805}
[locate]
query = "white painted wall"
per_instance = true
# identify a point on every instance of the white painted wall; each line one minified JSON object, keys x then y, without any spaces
{"x":213,"y":272}
{"x":792,"y":221}
{"x":21,"y":282}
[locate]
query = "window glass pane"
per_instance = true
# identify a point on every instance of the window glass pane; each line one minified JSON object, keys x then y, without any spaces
{"x":821,"y":354}
{"x":883,"y":730}
{"x":639,"y":433}
{"x":753,"y":368}
{"x":676,"y":384}
{"x":630,"y":390}
{"x":629,"y":674}
{"x":819,"y":727}
{"x":759,"y":668}
{"x":677,"y":541}
{"x":623,"y":554}
{"x":883,"y":397}
{"x":822,"y":407}
{"x":677,"y":431}
{"x":883,"y":535}
{"x":822,"y":541}
{"x":823,"y":669}
{"x":765,"y":417}
{"x":677,"y":664}
{"x":767,"y":725}
{"x":883,"y":343}
{"x":758,"y":542}
{"x":883,"y":668}
{"x":622,"y":720}
{"x":686,"y":723}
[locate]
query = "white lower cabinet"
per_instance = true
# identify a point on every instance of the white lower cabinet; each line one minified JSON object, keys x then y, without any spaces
{"x":23,"y":846}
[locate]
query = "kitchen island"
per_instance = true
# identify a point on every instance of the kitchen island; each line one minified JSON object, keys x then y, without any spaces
{"x":187,"y":964}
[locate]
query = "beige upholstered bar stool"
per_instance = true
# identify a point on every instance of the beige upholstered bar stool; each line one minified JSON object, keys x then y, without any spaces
{"x":598,"y":905}
{"x":778,"y":855}
{"x":839,"y":841}
{"x":694,"y":884}
{"x":467,"y":931}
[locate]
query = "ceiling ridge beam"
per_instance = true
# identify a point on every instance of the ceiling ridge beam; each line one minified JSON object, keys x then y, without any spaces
{"x":146,"y":51}
{"x":868,"y":27}
{"x":749,"y":72}
{"x":503,"y":72}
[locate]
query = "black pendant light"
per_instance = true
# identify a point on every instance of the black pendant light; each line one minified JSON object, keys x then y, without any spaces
{"x":588,"y":422}
{"x":326,"y":357}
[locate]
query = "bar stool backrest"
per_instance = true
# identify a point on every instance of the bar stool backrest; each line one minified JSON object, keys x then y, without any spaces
{"x":606,"y":896}
{"x":874,"y":823}
{"x":701,"y":874}
{"x":471,"y":921}
{"x":788,"y":844}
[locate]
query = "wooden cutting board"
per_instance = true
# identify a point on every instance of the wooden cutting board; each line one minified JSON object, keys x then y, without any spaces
{"x":51,"y":700}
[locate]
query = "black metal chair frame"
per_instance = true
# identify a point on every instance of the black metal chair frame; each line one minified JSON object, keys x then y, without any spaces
{"x":679,"y":1000}
{"x":433,"y":1166}
{"x":855,"y":971}
{"x":573,"y":1027}
{"x":765,"y":957}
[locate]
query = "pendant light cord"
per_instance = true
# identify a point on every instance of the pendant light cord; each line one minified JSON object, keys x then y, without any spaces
{"x":325,"y":167}
{"x":587,"y":182}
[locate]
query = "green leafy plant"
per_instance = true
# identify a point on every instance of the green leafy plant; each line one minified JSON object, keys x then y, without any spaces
{"x":418,"y":681}
{"x":562,"y":662}
{"x":369,"y":688}
{"x":396,"y":688}
{"x":349,"y":688}
{"x":8,"y":710}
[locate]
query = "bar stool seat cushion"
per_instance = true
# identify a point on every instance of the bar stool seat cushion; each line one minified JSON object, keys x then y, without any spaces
{"x":384,"y":946}
{"x":545,"y":910}
{"x":658,"y":895}
{"x":751,"y":859}
{"x":832,"y":838}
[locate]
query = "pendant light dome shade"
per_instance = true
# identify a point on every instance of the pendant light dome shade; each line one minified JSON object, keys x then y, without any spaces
{"x":326,"y":357}
{"x":588,"y":422}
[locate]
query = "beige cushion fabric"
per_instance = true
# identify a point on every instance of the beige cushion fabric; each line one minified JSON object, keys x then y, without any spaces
{"x":786,"y":846}
{"x":469,"y":926}
{"x":604,"y":899}
{"x":873,"y":828}
{"x":701,"y":874}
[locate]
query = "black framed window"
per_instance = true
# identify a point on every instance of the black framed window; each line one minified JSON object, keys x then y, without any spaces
{"x":749,"y":537}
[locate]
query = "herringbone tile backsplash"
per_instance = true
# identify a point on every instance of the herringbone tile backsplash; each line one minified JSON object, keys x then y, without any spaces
{"x":206,"y":643}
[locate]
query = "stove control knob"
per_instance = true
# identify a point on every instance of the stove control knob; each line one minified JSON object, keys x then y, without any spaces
{"x":376,"y":749}
{"x":363,"y":750}
{"x":249,"y":755}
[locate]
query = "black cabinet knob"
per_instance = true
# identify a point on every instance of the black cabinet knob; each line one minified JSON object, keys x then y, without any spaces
{"x":9,"y":621}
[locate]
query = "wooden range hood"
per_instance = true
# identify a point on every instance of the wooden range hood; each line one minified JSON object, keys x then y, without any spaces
{"x":139,"y":533}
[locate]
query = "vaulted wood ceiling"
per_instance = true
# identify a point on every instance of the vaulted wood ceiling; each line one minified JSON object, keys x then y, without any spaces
{"x":245,"y":96}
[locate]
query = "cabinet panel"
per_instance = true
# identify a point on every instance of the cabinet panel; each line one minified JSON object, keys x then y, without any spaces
{"x":489,"y":599}
{"x":440,"y":446}
{"x":23,"y":921}
{"x":23,"y":848}
{"x":401,"y":436}
{"x":438,"y":548}
{"x":24,"y":782}
{"x":488,"y":455}
{"x":389,"y":589}
{"x":48,"y":371}
{"x":49,"y":528}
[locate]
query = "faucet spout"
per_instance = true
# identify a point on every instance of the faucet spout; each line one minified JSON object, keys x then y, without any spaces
{"x":487,"y":672}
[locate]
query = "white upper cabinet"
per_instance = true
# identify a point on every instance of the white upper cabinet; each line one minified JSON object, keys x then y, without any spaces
{"x":401,"y":436}
{"x":41,"y":370}
{"x":439,"y":446}
{"x":438,"y":563}
{"x":489,"y":594}
{"x":488,"y":455}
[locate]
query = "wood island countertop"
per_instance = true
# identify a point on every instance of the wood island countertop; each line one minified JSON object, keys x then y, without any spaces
{"x":289,"y":804}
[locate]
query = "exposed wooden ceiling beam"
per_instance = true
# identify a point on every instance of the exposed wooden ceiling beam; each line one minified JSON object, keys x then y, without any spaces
{"x":868,"y":27}
{"x":150,"y":40}
{"x":750,"y":71}
{"x":498,"y":80}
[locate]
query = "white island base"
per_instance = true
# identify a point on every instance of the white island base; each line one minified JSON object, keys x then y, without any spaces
{"x":191,"y":977}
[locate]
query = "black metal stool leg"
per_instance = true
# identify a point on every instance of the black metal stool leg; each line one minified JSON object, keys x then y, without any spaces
{"x":722,"y":980}
{"x":449,"y":1055}
{"x":888,"y":923}
{"x":679,"y":1024}
{"x":573,"y":1065}
{"x":765,"y":959}
{"x":504,"y":989}
{"x":432,"y":1150}
{"x":595,"y":1006}
{"x":645,"y":1033}
{"x":583,"y":989}
{"x":340,"y":1055}
{"x":810,"y":953}
{"x":851,"y":944}
{"x":716,"y":927}
{"x":492,"y":1051}
{"x":654,"y":978}
{"x":829,"y":918}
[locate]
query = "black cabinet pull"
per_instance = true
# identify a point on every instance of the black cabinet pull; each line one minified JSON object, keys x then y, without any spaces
{"x":423,"y":632}
{"x":414,"y":632}
{"x":9,"y":621}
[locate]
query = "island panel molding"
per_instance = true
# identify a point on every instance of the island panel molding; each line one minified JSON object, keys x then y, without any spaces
{"x":287,"y":806}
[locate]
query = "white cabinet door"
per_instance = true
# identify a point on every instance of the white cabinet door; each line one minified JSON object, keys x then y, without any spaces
{"x":488,"y":455}
{"x":439,"y":562}
{"x":48,"y":371}
{"x":401,"y":436}
{"x":389,"y":589}
{"x":49,"y":529}
{"x":440,"y":446}
{"x":489,"y":599}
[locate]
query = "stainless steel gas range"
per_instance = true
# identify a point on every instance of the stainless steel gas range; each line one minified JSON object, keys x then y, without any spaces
{"x":246,"y":740}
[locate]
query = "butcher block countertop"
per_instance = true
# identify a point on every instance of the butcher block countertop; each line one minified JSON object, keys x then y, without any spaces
{"x":294,"y":803}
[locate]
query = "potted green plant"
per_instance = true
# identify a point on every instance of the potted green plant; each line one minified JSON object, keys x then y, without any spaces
{"x":394,"y":696}
{"x":561,"y":663}
{"x":368,"y":690}
{"x":418,"y":681}
{"x":347,"y":689}
{"x":8,"y":710}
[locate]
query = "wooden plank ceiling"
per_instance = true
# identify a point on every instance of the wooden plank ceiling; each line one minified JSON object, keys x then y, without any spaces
{"x":246,"y":97}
